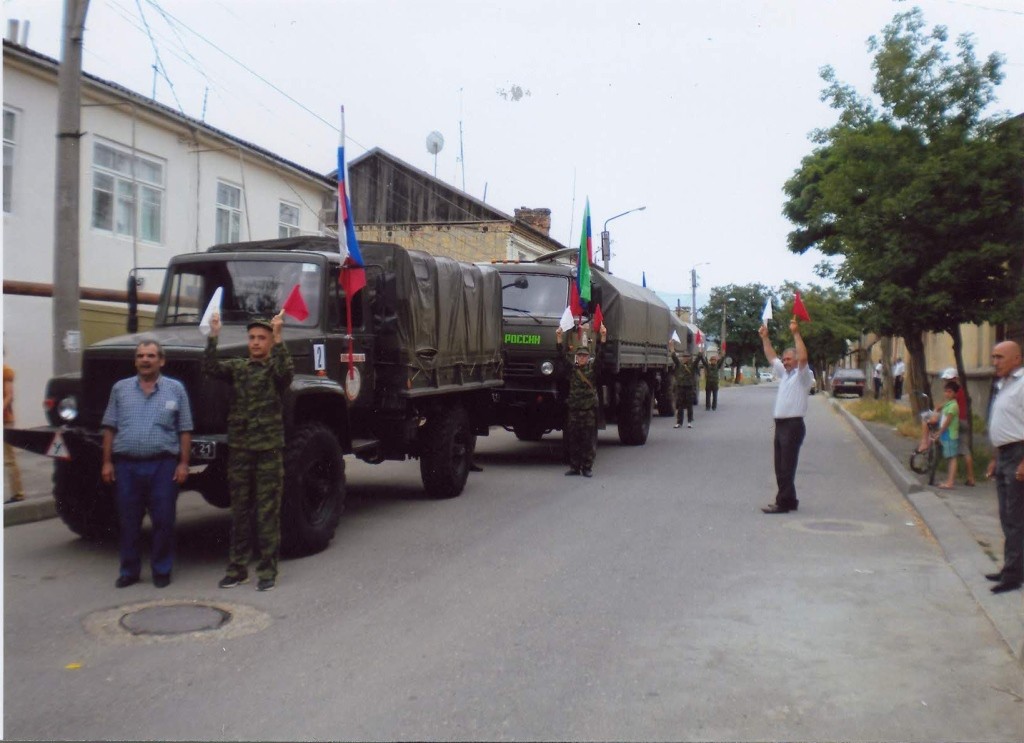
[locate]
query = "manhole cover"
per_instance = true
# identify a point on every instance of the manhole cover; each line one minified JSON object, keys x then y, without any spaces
{"x":833,"y":526}
{"x":845,"y":527}
{"x":175,"y":619}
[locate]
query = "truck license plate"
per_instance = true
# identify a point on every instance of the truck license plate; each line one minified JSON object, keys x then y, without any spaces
{"x":205,"y":450}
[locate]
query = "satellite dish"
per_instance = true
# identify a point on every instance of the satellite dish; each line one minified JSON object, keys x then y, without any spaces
{"x":435,"y":142}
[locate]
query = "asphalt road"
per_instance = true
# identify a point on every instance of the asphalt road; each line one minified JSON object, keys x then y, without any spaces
{"x":654,"y":601}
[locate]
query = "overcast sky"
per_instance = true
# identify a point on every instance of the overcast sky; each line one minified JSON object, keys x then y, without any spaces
{"x":697,"y":110}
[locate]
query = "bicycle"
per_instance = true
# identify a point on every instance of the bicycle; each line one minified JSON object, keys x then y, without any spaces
{"x":927,"y":461}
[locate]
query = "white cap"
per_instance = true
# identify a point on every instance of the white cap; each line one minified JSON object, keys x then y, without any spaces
{"x":949,"y":373}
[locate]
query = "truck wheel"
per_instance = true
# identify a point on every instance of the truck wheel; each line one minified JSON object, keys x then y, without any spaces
{"x":84,"y":503}
{"x":529,"y":431}
{"x":665,"y":407}
{"x":314,"y":490}
{"x":635,"y":413}
{"x":445,"y":447}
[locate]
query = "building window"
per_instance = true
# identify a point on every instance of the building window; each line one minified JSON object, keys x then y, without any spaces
{"x":287,"y":220}
{"x":127,"y":190}
{"x":229,"y":213}
{"x":10,"y":124}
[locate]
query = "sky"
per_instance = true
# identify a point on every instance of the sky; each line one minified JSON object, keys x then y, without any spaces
{"x":697,"y":110}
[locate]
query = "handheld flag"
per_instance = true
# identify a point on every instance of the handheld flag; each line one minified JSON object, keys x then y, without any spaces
{"x":566,"y":323}
{"x":698,"y":339}
{"x":353,"y":277}
{"x":766,"y":314}
{"x":799,"y":310}
{"x":675,"y":337}
{"x":586,"y":258}
{"x":598,"y":320}
{"x":295,"y":305}
{"x":211,"y":308}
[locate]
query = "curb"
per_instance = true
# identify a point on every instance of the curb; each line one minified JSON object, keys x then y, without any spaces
{"x":958,"y":545}
{"x":27,"y":511}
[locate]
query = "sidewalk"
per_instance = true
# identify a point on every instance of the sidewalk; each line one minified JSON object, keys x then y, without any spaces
{"x":37,"y":479}
{"x":964,"y":521}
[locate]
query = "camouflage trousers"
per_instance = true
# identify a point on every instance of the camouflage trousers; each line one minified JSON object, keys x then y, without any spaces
{"x":580,"y":433}
{"x":255,"y":482}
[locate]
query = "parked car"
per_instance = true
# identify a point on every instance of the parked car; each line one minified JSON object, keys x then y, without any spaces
{"x":765,"y":376}
{"x":848,"y":382}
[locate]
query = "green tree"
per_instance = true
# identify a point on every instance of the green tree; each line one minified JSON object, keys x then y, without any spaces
{"x":835,"y":321}
{"x":741,"y":307}
{"x":920,"y":196}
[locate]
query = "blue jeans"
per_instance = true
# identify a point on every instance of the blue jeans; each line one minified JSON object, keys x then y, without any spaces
{"x":146,"y":485}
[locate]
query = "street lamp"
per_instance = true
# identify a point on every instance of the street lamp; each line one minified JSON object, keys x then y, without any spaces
{"x":606,"y":245}
{"x":693,"y":290}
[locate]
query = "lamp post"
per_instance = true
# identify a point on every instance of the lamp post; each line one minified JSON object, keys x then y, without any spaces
{"x":693,"y":290}
{"x":725,"y":305}
{"x":606,"y":245}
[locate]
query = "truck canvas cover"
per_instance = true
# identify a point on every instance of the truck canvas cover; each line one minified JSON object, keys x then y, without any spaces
{"x":638,"y":322}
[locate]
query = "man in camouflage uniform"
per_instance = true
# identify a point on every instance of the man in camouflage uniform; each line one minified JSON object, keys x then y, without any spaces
{"x":581,"y":422}
{"x":256,"y":443}
{"x":684,"y":370}
{"x":711,"y":369}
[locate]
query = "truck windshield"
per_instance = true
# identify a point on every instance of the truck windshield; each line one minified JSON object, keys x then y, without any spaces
{"x":251,"y":289}
{"x":534,"y":294}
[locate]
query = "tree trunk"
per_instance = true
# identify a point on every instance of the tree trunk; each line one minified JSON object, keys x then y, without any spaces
{"x":887,"y":391}
{"x":958,"y":355}
{"x":917,"y":373}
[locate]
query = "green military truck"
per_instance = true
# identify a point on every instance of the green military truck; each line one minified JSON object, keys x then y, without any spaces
{"x":634,"y":366}
{"x":425,"y":356}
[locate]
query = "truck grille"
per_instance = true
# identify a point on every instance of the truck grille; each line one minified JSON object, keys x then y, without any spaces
{"x":520,"y":369}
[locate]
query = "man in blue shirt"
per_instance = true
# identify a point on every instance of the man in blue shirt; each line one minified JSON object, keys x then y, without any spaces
{"x":147,"y":433}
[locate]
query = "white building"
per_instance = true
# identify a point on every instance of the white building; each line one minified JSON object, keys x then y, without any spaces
{"x":154,"y":183}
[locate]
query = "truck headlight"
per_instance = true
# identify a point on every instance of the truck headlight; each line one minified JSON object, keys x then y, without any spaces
{"x":547,"y":368}
{"x":67,"y":408}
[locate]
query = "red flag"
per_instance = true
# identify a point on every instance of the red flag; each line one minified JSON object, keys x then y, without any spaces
{"x":575,"y":307}
{"x":698,"y":339}
{"x":295,"y":305}
{"x":723,"y":347}
{"x":799,"y":310}
{"x":598,"y":320}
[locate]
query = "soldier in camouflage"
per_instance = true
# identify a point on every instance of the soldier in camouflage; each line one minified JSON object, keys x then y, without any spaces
{"x":581,"y":422}
{"x":711,"y":369}
{"x":256,"y":443}
{"x":684,"y":370}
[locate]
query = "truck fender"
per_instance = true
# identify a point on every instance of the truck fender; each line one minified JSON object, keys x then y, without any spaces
{"x":313,"y":398}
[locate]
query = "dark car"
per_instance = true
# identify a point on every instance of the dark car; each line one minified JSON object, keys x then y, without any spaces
{"x":848,"y":382}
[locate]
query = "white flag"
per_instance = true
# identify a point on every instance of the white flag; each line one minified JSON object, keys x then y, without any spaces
{"x":675,"y":337}
{"x":213,"y":306}
{"x":567,"y":322}
{"x":767,"y":314}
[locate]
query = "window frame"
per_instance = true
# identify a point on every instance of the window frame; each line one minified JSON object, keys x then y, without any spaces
{"x":231,"y":212}
{"x":288,"y":229}
{"x":10,"y":156}
{"x":128,"y":212}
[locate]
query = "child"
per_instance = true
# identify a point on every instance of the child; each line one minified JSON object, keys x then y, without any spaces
{"x":948,"y":417}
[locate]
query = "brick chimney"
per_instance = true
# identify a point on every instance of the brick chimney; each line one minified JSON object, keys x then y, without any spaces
{"x":539,"y":219}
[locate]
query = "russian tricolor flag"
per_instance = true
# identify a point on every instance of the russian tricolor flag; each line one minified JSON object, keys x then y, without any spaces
{"x":353,"y":277}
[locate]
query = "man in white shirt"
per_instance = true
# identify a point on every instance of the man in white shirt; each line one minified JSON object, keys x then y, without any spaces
{"x":898,"y":370}
{"x":790,"y":407}
{"x":1006,"y":432}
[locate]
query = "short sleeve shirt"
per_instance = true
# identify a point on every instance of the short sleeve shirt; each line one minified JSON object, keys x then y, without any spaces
{"x":148,"y":425}
{"x":791,"y":399}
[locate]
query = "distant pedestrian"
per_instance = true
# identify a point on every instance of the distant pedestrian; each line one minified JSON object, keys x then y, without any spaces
{"x":12,"y":473}
{"x":581,"y":422}
{"x":683,"y":371}
{"x":712,"y":369}
{"x":255,"y":446}
{"x":790,"y":408}
{"x":147,"y":433}
{"x":948,"y":431}
{"x":876,"y":377}
{"x":899,"y":369}
{"x":1006,"y":432}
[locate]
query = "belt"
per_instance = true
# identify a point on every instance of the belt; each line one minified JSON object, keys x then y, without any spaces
{"x":151,"y":458}
{"x":1011,"y":445}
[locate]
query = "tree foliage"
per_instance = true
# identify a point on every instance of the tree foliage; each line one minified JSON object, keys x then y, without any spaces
{"x":919,"y":196}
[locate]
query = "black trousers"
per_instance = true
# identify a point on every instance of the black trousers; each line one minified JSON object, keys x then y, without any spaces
{"x":711,"y":398}
{"x":789,"y":436}
{"x":1010,"y":492}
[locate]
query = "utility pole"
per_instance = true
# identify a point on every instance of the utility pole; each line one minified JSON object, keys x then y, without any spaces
{"x":67,"y":340}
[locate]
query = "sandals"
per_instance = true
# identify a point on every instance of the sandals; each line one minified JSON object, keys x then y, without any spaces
{"x":944,"y":486}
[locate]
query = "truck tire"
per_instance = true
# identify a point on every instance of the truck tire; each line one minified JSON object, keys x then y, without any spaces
{"x":635,"y":413}
{"x":665,"y":407}
{"x":84,"y":503}
{"x":445,"y":447}
{"x":314,"y":490}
